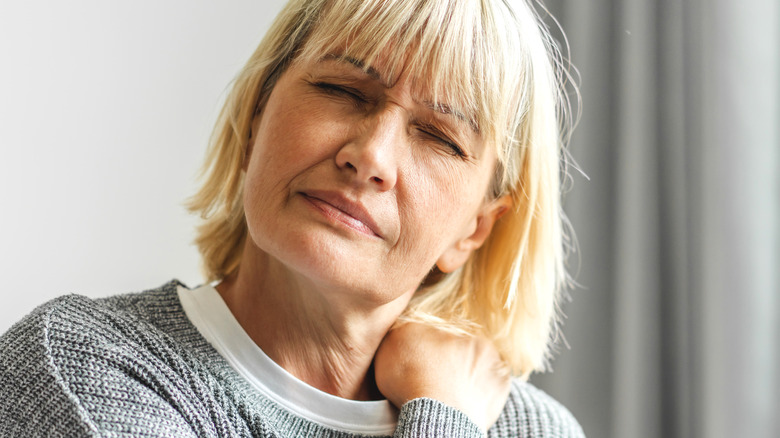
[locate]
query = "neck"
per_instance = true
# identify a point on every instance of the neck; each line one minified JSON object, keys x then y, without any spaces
{"x":325,"y":337}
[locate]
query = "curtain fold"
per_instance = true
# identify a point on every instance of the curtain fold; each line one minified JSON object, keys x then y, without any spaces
{"x":675,"y":330}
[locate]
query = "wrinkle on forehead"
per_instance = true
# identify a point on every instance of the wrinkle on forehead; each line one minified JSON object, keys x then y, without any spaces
{"x":377,"y":75}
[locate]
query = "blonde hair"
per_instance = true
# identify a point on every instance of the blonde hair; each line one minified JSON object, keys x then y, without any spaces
{"x":495,"y":59}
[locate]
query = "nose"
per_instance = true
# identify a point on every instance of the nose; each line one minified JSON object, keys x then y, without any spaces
{"x":370,"y":154}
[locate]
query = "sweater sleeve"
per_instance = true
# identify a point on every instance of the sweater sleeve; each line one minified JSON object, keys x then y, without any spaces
{"x":529,"y":412}
{"x":425,"y":417}
{"x":65,"y":372}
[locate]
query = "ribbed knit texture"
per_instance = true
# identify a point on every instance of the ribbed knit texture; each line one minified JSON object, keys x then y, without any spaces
{"x":134,"y":366}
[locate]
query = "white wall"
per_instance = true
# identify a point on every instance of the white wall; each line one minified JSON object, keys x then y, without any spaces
{"x":105,"y":111}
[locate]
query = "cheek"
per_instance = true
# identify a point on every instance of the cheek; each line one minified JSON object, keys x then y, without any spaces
{"x":439,"y":207}
{"x":433,"y":217}
{"x":293,"y":137}
{"x":289,"y":141}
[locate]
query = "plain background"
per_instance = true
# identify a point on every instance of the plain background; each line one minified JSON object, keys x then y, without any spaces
{"x":105,"y":113}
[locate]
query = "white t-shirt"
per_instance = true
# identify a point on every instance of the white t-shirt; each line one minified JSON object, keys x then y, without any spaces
{"x":212,"y":317}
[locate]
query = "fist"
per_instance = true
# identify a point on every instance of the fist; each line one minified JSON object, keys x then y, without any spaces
{"x":466,"y":372}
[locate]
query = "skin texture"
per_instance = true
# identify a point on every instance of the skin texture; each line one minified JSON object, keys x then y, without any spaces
{"x":467,"y":373}
{"x":355,"y":189}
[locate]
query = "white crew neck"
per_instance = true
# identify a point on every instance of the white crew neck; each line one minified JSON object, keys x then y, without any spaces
{"x":211,"y":316}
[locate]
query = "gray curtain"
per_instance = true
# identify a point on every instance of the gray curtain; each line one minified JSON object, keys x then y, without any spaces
{"x":674,"y":332}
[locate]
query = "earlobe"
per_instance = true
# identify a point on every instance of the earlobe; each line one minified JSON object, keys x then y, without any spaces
{"x":457,"y":255}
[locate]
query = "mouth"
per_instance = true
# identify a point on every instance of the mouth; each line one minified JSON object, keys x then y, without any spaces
{"x":339,"y":208}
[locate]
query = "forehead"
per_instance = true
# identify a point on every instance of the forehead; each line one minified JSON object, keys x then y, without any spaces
{"x":438,"y":59}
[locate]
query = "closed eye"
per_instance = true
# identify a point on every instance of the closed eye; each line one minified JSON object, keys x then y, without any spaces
{"x":435,"y":134}
{"x":340,"y":90}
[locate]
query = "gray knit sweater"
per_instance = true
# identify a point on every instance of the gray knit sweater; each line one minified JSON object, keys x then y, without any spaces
{"x":133,"y":365}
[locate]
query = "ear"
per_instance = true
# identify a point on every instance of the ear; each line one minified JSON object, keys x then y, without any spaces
{"x":457,"y":255}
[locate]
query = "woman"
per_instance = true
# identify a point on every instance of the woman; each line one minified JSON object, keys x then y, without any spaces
{"x":383,"y":235}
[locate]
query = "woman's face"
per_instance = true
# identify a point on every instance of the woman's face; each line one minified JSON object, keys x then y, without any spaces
{"x":361,"y":183}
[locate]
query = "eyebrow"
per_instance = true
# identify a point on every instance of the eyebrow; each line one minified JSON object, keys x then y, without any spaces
{"x":441,"y":108}
{"x":370,"y":71}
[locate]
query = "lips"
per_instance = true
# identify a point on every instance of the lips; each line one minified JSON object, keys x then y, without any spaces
{"x":340,"y":208}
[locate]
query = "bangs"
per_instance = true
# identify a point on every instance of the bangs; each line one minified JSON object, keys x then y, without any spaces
{"x":444,"y":45}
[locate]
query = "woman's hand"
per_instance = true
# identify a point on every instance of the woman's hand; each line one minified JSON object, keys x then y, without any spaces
{"x":467,"y":373}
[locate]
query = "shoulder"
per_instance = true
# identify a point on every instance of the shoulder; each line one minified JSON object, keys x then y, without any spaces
{"x":76,"y":320}
{"x":530,"y":412}
{"x":30,"y":383}
{"x":73,"y":360}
